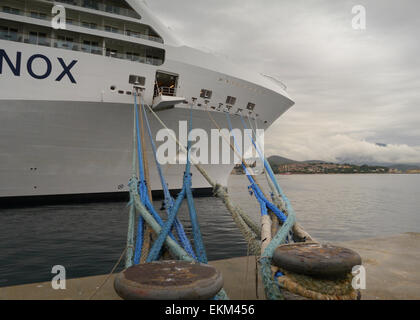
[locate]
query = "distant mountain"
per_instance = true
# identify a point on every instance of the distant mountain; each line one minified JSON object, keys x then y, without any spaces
{"x":314,"y":161}
{"x":402,"y":166}
{"x":370,"y":162}
{"x":278,"y":160}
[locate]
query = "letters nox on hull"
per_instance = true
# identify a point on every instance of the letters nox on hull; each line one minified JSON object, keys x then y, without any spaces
{"x":16,"y":67}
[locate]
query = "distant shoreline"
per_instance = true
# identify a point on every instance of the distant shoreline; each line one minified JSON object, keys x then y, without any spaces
{"x":342,"y":173}
{"x":285,"y":166}
{"x":339,"y":173}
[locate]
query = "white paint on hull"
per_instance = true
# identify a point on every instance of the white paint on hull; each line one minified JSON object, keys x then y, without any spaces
{"x":52,"y":148}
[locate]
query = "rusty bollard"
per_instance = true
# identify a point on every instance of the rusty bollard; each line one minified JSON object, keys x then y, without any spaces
{"x":169,"y":280}
{"x":314,"y":259}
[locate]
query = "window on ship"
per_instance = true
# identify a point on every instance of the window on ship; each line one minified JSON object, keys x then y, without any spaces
{"x":111,"y":6}
{"x":39,"y":38}
{"x":7,"y":9}
{"x":111,"y":29}
{"x":7,"y":33}
{"x":133,"y":56}
{"x":90,"y":46}
{"x":90,"y":25}
{"x":68,"y":40}
{"x":38,"y":15}
{"x":42,"y":10}
{"x":64,"y":42}
{"x":91,"y":4}
{"x":111,"y":52}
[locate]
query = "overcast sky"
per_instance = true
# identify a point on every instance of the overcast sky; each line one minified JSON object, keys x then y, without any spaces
{"x":352,"y":88}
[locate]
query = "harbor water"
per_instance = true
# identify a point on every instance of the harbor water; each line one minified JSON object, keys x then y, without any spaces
{"x":87,"y":239}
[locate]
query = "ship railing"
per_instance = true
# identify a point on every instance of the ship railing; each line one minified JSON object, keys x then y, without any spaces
{"x":93,"y":26}
{"x":11,"y":36}
{"x":26,"y":38}
{"x":75,"y":46}
{"x":136,"y":58}
{"x":167,"y":91}
{"x":96,"y":5}
{"x":128,"y":33}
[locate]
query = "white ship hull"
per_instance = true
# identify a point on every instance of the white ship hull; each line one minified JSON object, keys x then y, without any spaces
{"x":62,"y":147}
{"x":64,"y":137}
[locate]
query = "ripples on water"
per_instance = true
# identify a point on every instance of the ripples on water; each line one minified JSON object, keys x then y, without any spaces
{"x":88,"y":239}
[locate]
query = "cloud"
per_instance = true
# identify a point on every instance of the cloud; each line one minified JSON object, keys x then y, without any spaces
{"x":351,"y":87}
{"x":342,"y":148}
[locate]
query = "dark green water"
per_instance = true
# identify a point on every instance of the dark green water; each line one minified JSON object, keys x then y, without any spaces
{"x":88,"y":239}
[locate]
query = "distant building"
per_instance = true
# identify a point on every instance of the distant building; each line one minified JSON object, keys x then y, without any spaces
{"x":413,"y":171}
{"x":327,"y":168}
{"x":394,"y":171}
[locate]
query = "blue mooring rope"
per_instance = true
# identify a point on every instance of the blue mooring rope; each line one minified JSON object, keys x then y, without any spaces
{"x":271,"y":286}
{"x":139,"y":191}
{"x":143,"y":191}
{"x":170,"y":204}
{"x":265,"y":204}
{"x":172,"y":209}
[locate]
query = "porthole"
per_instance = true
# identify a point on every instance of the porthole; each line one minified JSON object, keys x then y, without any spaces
{"x":113,"y":88}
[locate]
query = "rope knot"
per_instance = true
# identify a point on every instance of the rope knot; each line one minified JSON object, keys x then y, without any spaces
{"x":219,"y":191}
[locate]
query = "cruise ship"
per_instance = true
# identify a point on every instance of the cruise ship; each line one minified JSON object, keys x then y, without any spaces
{"x":66,"y":97}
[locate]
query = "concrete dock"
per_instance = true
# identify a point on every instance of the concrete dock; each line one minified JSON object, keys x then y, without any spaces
{"x":392,"y":272}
